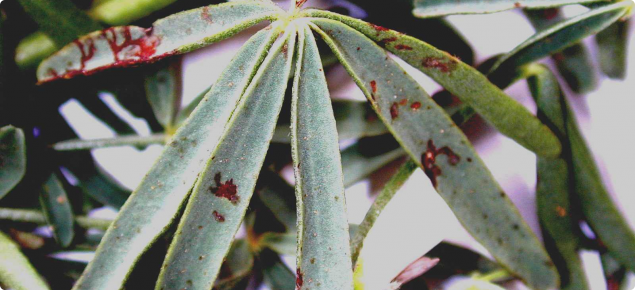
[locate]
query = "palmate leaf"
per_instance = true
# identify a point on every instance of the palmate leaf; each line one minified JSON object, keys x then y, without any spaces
{"x":15,"y":270}
{"x":323,"y":255}
{"x":222,"y":193}
{"x":12,"y":158}
{"x":156,"y":201}
{"x":443,"y":152}
{"x":560,"y":36}
{"x":554,"y":188}
{"x":176,"y":34}
{"x":57,"y":210}
{"x":507,"y":115}
{"x":436,"y":8}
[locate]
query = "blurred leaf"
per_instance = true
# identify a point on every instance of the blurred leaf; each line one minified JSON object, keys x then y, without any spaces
{"x":276,"y":274}
{"x":87,"y":144}
{"x":414,"y":270}
{"x":162,"y":192}
{"x":279,"y":197}
{"x":60,"y":19}
{"x":15,"y":270}
{"x":281,"y":243}
{"x":553,"y":190}
{"x":12,"y":158}
{"x":57,"y":210}
{"x":613,"y":49}
{"x":436,"y":8}
{"x":222,"y":193}
{"x":102,"y":112}
{"x":358,"y":164}
{"x":381,"y":201}
{"x":560,"y":36}
{"x":163,"y":89}
{"x":444,"y":153}
{"x":323,"y":253}
{"x":189,"y":108}
{"x":176,"y":34}
{"x":615,"y":274}
{"x":120,"y":12}
{"x":33,"y":49}
{"x":237,"y":266}
{"x":503,"y":112}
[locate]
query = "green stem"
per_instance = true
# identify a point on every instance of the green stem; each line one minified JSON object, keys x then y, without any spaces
{"x":496,"y":275}
{"x":79,"y":144}
{"x":36,"y":217}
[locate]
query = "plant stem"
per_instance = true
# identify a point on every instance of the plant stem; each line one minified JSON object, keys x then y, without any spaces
{"x":36,"y":217}
{"x":133,"y":140}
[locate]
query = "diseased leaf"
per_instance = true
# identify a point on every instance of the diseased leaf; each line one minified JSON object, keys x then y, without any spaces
{"x":166,"y":186}
{"x":390,"y":189}
{"x":12,"y":158}
{"x":222,"y":193}
{"x":553,"y":191}
{"x":559,"y":36}
{"x":15,"y":270}
{"x":613,"y":49}
{"x":444,"y":153}
{"x":463,"y":81}
{"x":574,"y":62}
{"x":57,"y":210}
{"x":176,"y":34}
{"x":323,"y":253}
{"x":163,"y":90}
{"x":59,"y":19}
{"x":436,"y":8}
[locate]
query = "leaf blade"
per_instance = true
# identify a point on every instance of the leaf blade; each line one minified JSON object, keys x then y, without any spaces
{"x":15,"y":270}
{"x":12,"y":158}
{"x":57,"y":210}
{"x":612,"y":49}
{"x":436,"y":8}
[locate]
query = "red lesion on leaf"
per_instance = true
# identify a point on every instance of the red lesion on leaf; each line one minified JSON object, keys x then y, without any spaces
{"x":403,"y":102}
{"x":402,"y":47}
{"x":206,"y":15}
{"x":444,"y":65}
{"x":388,"y":40}
{"x":378,"y":28}
{"x":299,"y":3}
{"x":226,"y":190}
{"x":218,"y":217}
{"x":415,"y":106}
{"x":394,"y":111}
{"x":373,"y":86}
{"x":298,"y":279}
{"x":550,"y":13}
{"x":428,"y":160}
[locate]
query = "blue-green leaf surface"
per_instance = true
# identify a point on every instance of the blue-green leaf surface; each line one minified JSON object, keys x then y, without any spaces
{"x":222,"y":193}
{"x":12,"y":158}
{"x":57,"y":210}
{"x":436,"y":8}
{"x":157,"y":200}
{"x":444,"y":153}
{"x":163,"y":90}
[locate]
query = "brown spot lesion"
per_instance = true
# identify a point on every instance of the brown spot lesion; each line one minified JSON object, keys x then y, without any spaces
{"x":226,"y":189}
{"x":298,"y":279}
{"x":218,"y":217}
{"x":388,"y":40}
{"x":415,"y":106}
{"x":402,"y":47}
{"x":428,"y":160}
{"x":373,"y":86}
{"x":442,"y":64}
{"x":394,"y":111}
{"x":205,"y":15}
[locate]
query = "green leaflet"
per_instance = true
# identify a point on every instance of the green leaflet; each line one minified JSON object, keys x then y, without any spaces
{"x":57,"y":210}
{"x":237,"y":266}
{"x":282,"y":243}
{"x":279,"y":197}
{"x":390,"y":189}
{"x":165,"y":187}
{"x":175,"y":34}
{"x":120,"y":12}
{"x":613,"y":48}
{"x":444,"y":153}
{"x":323,"y":254}
{"x":222,"y":193}
{"x":15,"y":270}
{"x":574,"y":62}
{"x":559,"y":36}
{"x":131,"y":140}
{"x":356,"y":165}
{"x":277,"y":275}
{"x":59,"y":19}
{"x":163,"y":90}
{"x":554,"y":188}
{"x":36,"y":217}
{"x":436,"y":8}
{"x":12,"y":158}
{"x":463,"y":81}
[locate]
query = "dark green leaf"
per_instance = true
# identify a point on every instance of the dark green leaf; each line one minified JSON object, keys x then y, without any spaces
{"x":277,"y":275}
{"x":120,"y":12}
{"x":166,"y":186}
{"x":559,"y":36}
{"x":323,"y":254}
{"x":176,"y":34}
{"x":553,"y":191}
{"x":436,"y":8}
{"x":57,"y":210}
{"x":613,"y":49}
{"x":279,"y":197}
{"x":12,"y":158}
{"x":281,"y":243}
{"x":463,"y":81}
{"x":237,"y":266}
{"x":444,"y":153}
{"x":223,"y":191}
{"x":87,"y":144}
{"x":60,"y":19}
{"x":163,"y":90}
{"x":36,"y":217}
{"x":15,"y":270}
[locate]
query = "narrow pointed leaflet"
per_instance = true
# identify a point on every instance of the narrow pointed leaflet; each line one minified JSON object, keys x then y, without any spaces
{"x":323,"y":254}
{"x":436,"y":8}
{"x":12,"y":158}
{"x":57,"y":210}
{"x":439,"y":147}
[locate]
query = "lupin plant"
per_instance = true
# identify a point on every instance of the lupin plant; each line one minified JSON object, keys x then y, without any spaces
{"x":218,"y":168}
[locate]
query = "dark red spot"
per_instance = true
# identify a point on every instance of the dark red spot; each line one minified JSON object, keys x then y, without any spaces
{"x":403,"y":102}
{"x":373,"y":86}
{"x":53,"y":72}
{"x":415,"y":106}
{"x":141,"y":48}
{"x":218,"y":217}
{"x":388,"y":40}
{"x":378,"y":28}
{"x":518,"y":5}
{"x":550,"y":14}
{"x":428,"y":160}
{"x":402,"y":47}
{"x":226,"y":190}
{"x":206,"y":16}
{"x":439,"y":63}
{"x":298,"y":279}
{"x":87,"y":50}
{"x":299,"y":3}
{"x":359,"y":48}
{"x":394,"y":111}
